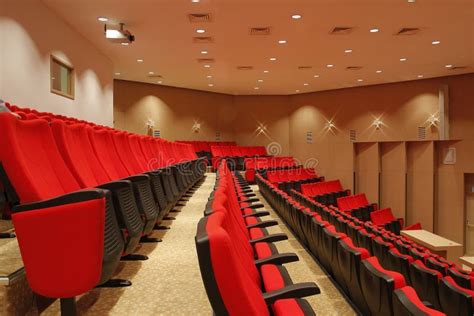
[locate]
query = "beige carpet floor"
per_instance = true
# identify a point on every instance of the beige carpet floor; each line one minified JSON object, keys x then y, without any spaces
{"x":169,"y":283}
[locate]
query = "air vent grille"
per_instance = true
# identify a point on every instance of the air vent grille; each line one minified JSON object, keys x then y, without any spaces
{"x":206,"y":60}
{"x":244,"y":67}
{"x":260,"y":31}
{"x":408,"y":31}
{"x":203,"y":40}
{"x":341,"y":30}
{"x":421,"y":133}
{"x":304,"y":67}
{"x":353,"y":67}
{"x":200,"y":17}
{"x":352,"y":135}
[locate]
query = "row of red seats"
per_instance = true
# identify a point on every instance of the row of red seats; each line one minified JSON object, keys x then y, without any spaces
{"x":292,"y":178}
{"x":238,"y":151}
{"x":241,"y":268}
{"x":326,"y":192}
{"x":84,"y":196}
{"x":377,"y":285}
{"x":257,"y":163}
{"x":205,"y":146}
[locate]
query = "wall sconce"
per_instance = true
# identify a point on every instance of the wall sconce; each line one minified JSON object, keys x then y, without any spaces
{"x":196,"y":127}
{"x":261,"y":129}
{"x":377,"y":123}
{"x":150,"y":123}
{"x":330,"y":125}
{"x":433,"y":120}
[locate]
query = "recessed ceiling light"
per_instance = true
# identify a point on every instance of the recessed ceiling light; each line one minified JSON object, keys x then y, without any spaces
{"x":330,"y":65}
{"x":411,"y":1}
{"x":160,"y":82}
{"x":297,"y":90}
{"x":436,"y":42}
{"x":316,"y":76}
{"x":374,"y":30}
{"x":209,"y":77}
{"x":207,"y":66}
{"x":151,"y":73}
{"x":403,"y":59}
{"x":256,"y":88}
{"x":266,"y":71}
{"x":348,"y":51}
{"x":296,"y":16}
{"x":420,"y":76}
{"x":102,"y":19}
{"x":139,"y":60}
{"x":305,"y":84}
{"x":260,"y":80}
{"x":379,"y":71}
{"x":125,"y":43}
{"x":200,"y":31}
{"x":211,"y":85}
{"x":117,"y":73}
{"x":360,"y":80}
{"x":195,"y":1}
{"x":449,"y":66}
{"x":273,"y":59}
{"x":282,"y":42}
{"x":204,"y":52}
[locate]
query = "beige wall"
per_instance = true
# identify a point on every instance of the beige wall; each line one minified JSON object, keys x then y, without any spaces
{"x":29,"y":34}
{"x":389,"y":164}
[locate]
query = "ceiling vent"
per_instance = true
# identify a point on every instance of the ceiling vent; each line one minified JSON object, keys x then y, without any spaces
{"x":244,"y":67}
{"x":304,"y":67}
{"x":352,"y":135}
{"x":203,"y":40}
{"x":341,"y":30}
{"x":458,"y":67}
{"x":408,"y":31}
{"x":421,"y":133}
{"x":206,"y":60}
{"x":353,"y":67}
{"x":199,"y":17}
{"x":260,"y":31}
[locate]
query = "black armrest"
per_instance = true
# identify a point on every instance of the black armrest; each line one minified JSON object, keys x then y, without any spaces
{"x":247,"y":190}
{"x":292,"y":291}
{"x":428,"y":304}
{"x":257,"y":214}
{"x":74,"y":197}
{"x":280,"y":258}
{"x":270,"y":238}
{"x":248,"y":194}
{"x":115,"y":185}
{"x":7,"y":235}
{"x":250,"y":200}
{"x":137,"y":178}
{"x":254,"y":206}
{"x":263,"y":224}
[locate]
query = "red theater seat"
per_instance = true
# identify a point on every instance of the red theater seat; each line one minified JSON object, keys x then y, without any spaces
{"x":407,"y":303}
{"x":455,"y":300}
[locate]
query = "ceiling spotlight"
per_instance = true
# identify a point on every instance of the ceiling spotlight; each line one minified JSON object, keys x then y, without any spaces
{"x":102,"y":19}
{"x":436,"y":42}
{"x":273,"y":59}
{"x":374,"y":30}
{"x":260,"y":80}
{"x":266,"y":71}
{"x":420,"y":76}
{"x":411,"y":1}
{"x":348,"y":51}
{"x":207,"y":66}
{"x":330,"y":65}
{"x":316,"y":76}
{"x":305,"y":84}
{"x":449,"y":66}
{"x":118,"y":34}
{"x":200,"y":31}
{"x":297,"y":90}
{"x":360,"y":80}
{"x":204,"y":52}
{"x":211,"y":85}
{"x":195,"y":1}
{"x":379,"y":71}
{"x":282,"y":42}
{"x":159,"y":82}
{"x":256,"y":88}
{"x":125,"y":43}
{"x":139,"y":60}
{"x":209,"y":77}
{"x":117,"y":73}
{"x":296,"y":16}
{"x":403,"y":59}
{"x":151,"y":73}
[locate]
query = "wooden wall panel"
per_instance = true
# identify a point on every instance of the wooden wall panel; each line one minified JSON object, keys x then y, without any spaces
{"x":393,"y":177}
{"x":420,"y":184}
{"x":367,"y":168}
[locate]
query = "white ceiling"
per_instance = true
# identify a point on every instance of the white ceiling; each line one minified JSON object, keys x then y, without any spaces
{"x":164,"y":39}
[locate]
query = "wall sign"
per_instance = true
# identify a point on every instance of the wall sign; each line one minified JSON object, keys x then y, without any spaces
{"x":157,"y":133}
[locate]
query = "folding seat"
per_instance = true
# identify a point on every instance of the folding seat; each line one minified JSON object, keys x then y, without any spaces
{"x":380,"y":249}
{"x":329,"y":240}
{"x":402,"y":247}
{"x":434,"y":264}
{"x":233,"y":282}
{"x":69,"y":239}
{"x":378,"y":285}
{"x":349,"y":260}
{"x":454,"y":299}
{"x":463,"y":278}
{"x":407,"y":303}
{"x":425,"y":281}
{"x":364,"y":240}
{"x":418,"y":255}
{"x":399,"y":262}
{"x":104,"y":147}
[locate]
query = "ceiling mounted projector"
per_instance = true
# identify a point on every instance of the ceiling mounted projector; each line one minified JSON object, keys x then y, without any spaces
{"x":116,"y":34}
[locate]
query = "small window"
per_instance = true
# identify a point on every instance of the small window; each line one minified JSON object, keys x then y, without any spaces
{"x":62,"y":78}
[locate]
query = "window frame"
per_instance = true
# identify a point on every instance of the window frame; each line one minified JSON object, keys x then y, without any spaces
{"x":71,"y":78}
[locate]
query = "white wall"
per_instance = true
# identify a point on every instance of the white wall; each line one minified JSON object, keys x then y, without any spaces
{"x":29,"y":34}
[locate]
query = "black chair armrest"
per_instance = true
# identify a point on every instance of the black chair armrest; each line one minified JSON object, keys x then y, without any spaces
{"x":292,"y":291}
{"x":270,"y":238}
{"x":263,"y":224}
{"x":280,"y":258}
{"x":250,"y":200}
{"x":250,"y":194}
{"x":74,"y":197}
{"x":254,"y":206}
{"x":115,"y":185}
{"x":257,"y":214}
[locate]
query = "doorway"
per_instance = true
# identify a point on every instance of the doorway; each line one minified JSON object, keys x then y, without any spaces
{"x":469,"y":213}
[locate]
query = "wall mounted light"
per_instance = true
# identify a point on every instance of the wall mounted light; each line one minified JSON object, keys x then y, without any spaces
{"x":150,"y":124}
{"x":196,"y":127}
{"x":433,"y":120}
{"x":377,"y":123}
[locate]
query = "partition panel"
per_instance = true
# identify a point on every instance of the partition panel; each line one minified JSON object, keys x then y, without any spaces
{"x":367,"y":169}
